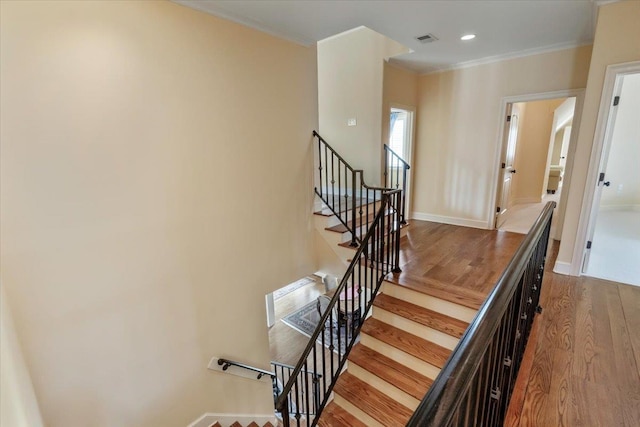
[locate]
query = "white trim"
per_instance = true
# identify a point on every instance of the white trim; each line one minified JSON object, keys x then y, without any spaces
{"x":577,"y":116}
{"x":216,"y":10}
{"x":344,"y":33}
{"x":507,"y":56}
{"x":464,"y":222}
{"x":525,"y":200}
{"x":562,"y":268}
{"x":609,"y":208}
{"x":604,"y":110}
{"x":225,"y":420}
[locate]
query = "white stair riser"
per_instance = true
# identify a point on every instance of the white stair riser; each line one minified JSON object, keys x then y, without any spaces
{"x":356,"y":412}
{"x":400,"y":356}
{"x":384,"y":387}
{"x":417,"y":329}
{"x":438,"y":305}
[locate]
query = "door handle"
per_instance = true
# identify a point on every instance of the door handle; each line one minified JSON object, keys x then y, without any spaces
{"x":513,"y":171}
{"x":606,"y":184}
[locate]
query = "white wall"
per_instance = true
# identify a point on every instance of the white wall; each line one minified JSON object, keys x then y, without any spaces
{"x":350,"y":85}
{"x":624,"y":157}
{"x":458,"y":136}
{"x":156,"y":183}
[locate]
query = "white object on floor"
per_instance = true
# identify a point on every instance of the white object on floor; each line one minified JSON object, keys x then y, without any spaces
{"x":615,"y":253}
{"x":520,"y":218}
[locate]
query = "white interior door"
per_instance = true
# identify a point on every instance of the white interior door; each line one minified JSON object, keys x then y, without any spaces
{"x":508,"y":158}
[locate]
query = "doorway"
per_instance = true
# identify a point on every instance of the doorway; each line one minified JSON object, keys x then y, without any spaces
{"x":401,"y":131}
{"x":534,"y":159}
{"x":613,"y":241}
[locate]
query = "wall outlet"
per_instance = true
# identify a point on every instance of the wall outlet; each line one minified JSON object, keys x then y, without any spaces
{"x":352,"y":122}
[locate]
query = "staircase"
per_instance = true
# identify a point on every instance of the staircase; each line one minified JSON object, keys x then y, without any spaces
{"x":414,"y":326}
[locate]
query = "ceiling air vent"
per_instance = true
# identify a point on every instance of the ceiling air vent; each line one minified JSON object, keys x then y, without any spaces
{"x":427,"y":38}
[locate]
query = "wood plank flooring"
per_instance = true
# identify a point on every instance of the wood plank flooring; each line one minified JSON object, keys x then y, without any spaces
{"x":585,"y":359}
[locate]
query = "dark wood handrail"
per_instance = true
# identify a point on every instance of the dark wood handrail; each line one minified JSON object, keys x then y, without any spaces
{"x":226,"y":363}
{"x":443,"y":399}
{"x":400,"y":159}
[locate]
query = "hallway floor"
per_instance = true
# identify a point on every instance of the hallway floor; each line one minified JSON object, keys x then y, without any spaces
{"x":615,"y":254}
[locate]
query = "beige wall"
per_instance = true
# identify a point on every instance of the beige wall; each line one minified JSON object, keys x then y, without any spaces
{"x":350,"y":85}
{"x":400,"y":87}
{"x":457,"y":141}
{"x":534,"y":133}
{"x":622,"y":166}
{"x":616,"y":41}
{"x":129,"y":255}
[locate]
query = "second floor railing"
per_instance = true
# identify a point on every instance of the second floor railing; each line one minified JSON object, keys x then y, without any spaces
{"x":344,"y":191}
{"x":475,"y":385}
{"x":395,"y":176}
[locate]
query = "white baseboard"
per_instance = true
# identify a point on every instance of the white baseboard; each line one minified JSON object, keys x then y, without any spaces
{"x":225,"y":420}
{"x":562,"y":268}
{"x":608,"y":208}
{"x":473,"y":223}
{"x":523,"y":200}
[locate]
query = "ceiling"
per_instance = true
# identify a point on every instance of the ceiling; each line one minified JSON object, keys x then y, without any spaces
{"x":504,"y":28}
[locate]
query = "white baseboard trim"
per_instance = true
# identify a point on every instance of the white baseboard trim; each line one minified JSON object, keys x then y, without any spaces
{"x":524,"y":200}
{"x":609,"y":208}
{"x":464,"y":222}
{"x":225,"y":420}
{"x":562,"y":268}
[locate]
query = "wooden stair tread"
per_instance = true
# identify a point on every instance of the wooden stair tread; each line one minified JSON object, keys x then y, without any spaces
{"x":371,"y":401}
{"x":236,"y":424}
{"x":424,"y":316}
{"x":411,"y":382}
{"x":217,"y":424}
{"x":455,"y":294}
{"x":411,"y":344}
{"x":335,"y":416}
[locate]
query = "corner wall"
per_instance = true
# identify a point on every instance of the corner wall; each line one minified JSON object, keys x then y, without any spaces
{"x":350,"y":85}
{"x":156,"y":183}
{"x":616,"y":41}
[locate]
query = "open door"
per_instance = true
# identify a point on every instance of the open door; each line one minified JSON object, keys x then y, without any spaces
{"x":508,"y":157}
{"x":617,"y":185}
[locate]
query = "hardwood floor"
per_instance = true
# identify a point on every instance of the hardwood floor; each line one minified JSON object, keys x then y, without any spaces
{"x":285,"y":343}
{"x":460,"y":260}
{"x":584,"y":357}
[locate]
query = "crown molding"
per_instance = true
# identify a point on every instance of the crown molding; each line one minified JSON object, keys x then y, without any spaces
{"x":216,"y":10}
{"x":507,"y":56}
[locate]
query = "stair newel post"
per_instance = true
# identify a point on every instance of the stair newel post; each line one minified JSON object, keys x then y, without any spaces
{"x":386,"y":166}
{"x":354,"y":226}
{"x":399,"y":199}
{"x":319,"y":163}
{"x":403,"y":219}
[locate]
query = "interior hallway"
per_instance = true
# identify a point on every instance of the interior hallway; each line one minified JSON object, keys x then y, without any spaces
{"x":520,"y":218}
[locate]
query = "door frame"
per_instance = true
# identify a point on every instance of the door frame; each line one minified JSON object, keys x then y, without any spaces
{"x":503,"y":133}
{"x":411,"y":117}
{"x":612,"y":85}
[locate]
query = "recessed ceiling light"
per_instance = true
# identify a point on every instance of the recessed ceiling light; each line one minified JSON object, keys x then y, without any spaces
{"x":468,"y":37}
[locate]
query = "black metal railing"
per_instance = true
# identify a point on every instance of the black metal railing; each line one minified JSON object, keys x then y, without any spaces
{"x":344,"y":192}
{"x":341,"y":320}
{"x":475,"y":385}
{"x":308,"y":397}
{"x":395,"y":176}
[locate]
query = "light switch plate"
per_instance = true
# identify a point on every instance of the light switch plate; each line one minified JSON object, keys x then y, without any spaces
{"x":352,"y":122}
